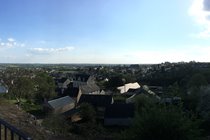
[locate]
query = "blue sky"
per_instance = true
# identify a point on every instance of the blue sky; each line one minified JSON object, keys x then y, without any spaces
{"x":104,"y":31}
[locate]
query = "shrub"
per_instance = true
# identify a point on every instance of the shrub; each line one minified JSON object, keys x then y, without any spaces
{"x":57,"y":124}
{"x":160,"y":122}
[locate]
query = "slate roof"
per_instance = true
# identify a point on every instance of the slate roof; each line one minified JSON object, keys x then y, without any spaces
{"x":61,"y":80}
{"x":60,"y":102}
{"x":96,"y":100}
{"x":71,"y":112}
{"x":132,"y":92}
{"x":82,"y":77}
{"x":89,"y":88}
{"x":119,"y":110}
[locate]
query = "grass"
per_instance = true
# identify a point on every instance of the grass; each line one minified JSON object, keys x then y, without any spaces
{"x":32,"y":108}
{"x":26,"y":105}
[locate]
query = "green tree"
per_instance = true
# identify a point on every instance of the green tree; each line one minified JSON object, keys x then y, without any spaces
{"x":23,"y":87}
{"x":160,"y":122}
{"x":203,"y":109}
{"x":192,"y":97}
{"x":45,"y":87}
{"x":143,"y":102}
{"x":114,"y":82}
{"x":87,"y":112}
{"x":129,"y":78}
{"x":197,"y":80}
{"x":174,"y":90}
{"x":204,"y":104}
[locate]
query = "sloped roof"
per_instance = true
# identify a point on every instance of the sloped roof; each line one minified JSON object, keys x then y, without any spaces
{"x":61,"y":80}
{"x":89,"y":88}
{"x":128,"y":86}
{"x":60,"y":102}
{"x":119,"y":110}
{"x":130,"y":91}
{"x":96,"y":100}
{"x":82,"y":77}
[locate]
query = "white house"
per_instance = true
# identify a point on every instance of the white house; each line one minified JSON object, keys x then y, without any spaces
{"x":128,"y":86}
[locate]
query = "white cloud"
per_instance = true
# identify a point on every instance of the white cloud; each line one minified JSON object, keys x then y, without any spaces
{"x":11,"y":39}
{"x":200,"y":11}
{"x":10,"y":43}
{"x":50,"y":50}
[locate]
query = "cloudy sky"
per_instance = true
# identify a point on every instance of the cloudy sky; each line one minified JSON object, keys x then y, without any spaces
{"x":104,"y":31}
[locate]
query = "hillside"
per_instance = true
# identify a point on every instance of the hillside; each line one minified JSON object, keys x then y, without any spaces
{"x":26,"y":123}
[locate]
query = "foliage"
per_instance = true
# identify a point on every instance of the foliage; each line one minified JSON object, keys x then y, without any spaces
{"x":193,"y":96}
{"x":197,"y":80}
{"x":143,"y":102}
{"x":164,"y":124}
{"x":174,"y":90}
{"x":114,"y":82}
{"x":204,"y":104}
{"x":203,"y":109}
{"x":87,"y":113}
{"x":45,"y":87}
{"x":129,"y":78}
{"x":28,"y":84}
{"x":22,"y":88}
{"x":88,"y":130}
{"x":160,"y":122}
{"x":57,"y":124}
{"x":191,"y":102}
{"x":32,"y":108}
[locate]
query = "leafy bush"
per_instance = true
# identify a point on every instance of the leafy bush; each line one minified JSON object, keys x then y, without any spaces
{"x":160,"y":122}
{"x":87,"y":112}
{"x":88,"y":129}
{"x":57,"y":124}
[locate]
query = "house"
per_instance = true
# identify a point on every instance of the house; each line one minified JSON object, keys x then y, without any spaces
{"x":128,"y":86}
{"x":82,"y":79}
{"x":96,"y":100}
{"x":90,"y":89}
{"x":99,"y":102}
{"x":119,"y":114}
{"x":60,"y":105}
{"x":74,"y":93}
{"x":62,"y":84}
{"x":131,"y":99}
{"x":72,"y":115}
{"x":131,"y":92}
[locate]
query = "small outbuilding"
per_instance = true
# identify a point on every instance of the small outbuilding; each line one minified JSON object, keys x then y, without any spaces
{"x":60,"y":105}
